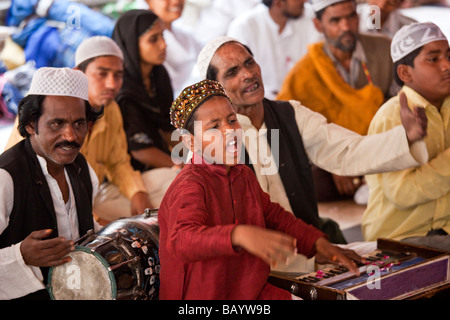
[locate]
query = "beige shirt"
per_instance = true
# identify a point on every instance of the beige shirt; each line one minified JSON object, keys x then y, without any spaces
{"x":332,"y":148}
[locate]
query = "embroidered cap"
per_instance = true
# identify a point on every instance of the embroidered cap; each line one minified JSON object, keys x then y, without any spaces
{"x":208,"y":51}
{"x":413,"y":36}
{"x":97,"y":46}
{"x":191,"y":98}
{"x":59,"y":82}
{"x":318,"y":5}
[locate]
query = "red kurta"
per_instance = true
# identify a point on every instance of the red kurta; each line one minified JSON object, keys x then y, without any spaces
{"x":196,"y":218}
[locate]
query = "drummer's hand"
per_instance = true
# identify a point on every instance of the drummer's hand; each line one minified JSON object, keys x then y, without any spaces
{"x":139,"y":202}
{"x":329,"y":253}
{"x":40,"y":252}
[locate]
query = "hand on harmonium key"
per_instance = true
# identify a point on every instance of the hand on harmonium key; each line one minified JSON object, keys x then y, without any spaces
{"x":329,"y":253}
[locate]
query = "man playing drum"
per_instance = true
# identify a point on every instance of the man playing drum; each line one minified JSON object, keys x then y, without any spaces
{"x":122,"y":192}
{"x":46,"y":185}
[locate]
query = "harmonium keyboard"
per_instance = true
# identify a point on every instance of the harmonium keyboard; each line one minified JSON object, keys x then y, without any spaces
{"x":394,"y":271}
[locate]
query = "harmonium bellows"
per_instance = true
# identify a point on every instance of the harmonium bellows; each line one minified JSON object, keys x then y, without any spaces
{"x":395,"y":271}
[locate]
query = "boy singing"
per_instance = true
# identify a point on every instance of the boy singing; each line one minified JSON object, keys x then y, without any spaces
{"x":219,"y":232}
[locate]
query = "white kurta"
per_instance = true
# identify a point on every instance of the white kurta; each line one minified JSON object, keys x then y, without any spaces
{"x":181,"y":57}
{"x":275,"y":52}
{"x":18,"y":279}
{"x":210,"y":18}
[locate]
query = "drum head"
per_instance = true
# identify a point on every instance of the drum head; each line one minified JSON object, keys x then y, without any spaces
{"x":85,"y":277}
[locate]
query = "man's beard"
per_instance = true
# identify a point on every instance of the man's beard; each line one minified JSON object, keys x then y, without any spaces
{"x":338,"y":43}
{"x":292,"y":16}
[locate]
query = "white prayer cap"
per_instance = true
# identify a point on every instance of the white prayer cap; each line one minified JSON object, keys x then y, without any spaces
{"x":60,"y":82}
{"x":97,"y":46}
{"x":318,"y":5}
{"x":413,"y":36}
{"x":208,"y":51}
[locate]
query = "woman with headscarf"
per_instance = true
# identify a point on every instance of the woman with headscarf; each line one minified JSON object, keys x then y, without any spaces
{"x":146,"y":94}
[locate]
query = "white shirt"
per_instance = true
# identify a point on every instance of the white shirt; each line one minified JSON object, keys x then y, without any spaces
{"x":332,"y":148}
{"x":275,"y":52}
{"x":181,"y":57}
{"x":18,"y":279}
{"x":212,"y":17}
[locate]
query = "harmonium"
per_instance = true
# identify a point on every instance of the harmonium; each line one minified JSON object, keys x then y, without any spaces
{"x":394,"y":271}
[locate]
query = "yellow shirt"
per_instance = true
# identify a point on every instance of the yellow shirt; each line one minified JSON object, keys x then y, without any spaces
{"x":411,"y":202}
{"x":105,"y":148}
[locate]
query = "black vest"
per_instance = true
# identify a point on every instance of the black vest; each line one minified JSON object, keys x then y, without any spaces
{"x":293,"y":163}
{"x":33,"y":206}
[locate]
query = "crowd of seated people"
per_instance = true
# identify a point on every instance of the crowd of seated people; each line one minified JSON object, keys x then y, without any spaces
{"x":327,"y":109}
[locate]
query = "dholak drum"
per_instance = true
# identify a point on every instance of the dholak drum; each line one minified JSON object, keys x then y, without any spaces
{"x":121,"y":261}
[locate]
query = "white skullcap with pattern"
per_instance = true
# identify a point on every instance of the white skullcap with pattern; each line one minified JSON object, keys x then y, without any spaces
{"x":413,"y":36}
{"x":97,"y":46}
{"x":318,"y":5}
{"x":208,"y":51}
{"x":60,"y":82}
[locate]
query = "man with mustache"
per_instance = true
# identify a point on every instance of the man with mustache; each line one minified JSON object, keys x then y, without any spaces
{"x":46,"y":185}
{"x":346,"y":78}
{"x":122,"y":190}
